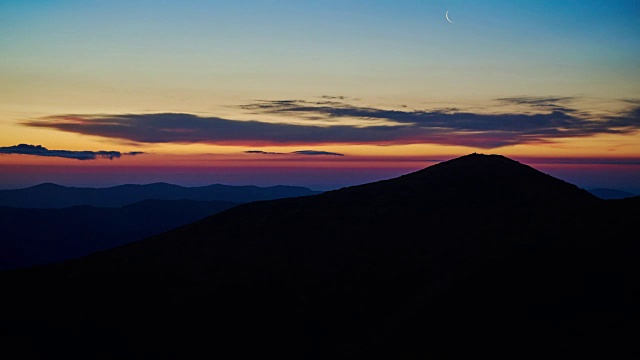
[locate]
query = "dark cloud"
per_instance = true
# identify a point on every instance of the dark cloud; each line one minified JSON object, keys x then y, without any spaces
{"x":299,"y":152}
{"x":631,"y":101}
{"x":315,"y":152}
{"x":37,"y":150}
{"x":511,"y":128}
{"x":340,"y":97}
{"x":263,"y":152}
{"x":550,"y":103}
{"x":632,"y":116}
{"x":552,"y":119}
{"x":537,"y":100}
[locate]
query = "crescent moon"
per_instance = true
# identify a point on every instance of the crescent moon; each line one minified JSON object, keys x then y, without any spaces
{"x":446,"y":15}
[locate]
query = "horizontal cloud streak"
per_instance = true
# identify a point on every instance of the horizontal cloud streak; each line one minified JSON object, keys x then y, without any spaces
{"x":315,"y":152}
{"x":299,"y":152}
{"x":263,"y":152}
{"x":387,"y":126}
{"x":38,"y":150}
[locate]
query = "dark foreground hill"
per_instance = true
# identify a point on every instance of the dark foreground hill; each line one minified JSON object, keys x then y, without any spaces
{"x":476,"y":256}
{"x":42,"y":236}
{"x":56,"y":196}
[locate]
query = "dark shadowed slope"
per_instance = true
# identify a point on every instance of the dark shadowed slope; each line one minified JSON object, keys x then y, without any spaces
{"x":479,"y":255}
{"x":42,"y":236}
{"x":56,"y":196}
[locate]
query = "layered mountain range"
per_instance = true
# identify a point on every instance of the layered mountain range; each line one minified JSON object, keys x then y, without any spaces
{"x":48,"y":222}
{"x":42,"y":236}
{"x":479,"y":255}
{"x":48,"y":195}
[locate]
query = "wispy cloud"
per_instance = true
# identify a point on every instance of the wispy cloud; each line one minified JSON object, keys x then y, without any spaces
{"x":264,"y":152}
{"x":543,"y":101}
{"x":299,"y":152}
{"x":38,"y":150}
{"x":553,"y":118}
{"x":548,"y":103}
{"x":315,"y":152}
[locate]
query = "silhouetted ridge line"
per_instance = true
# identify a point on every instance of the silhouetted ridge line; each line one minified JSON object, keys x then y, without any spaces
{"x":480,"y":180}
{"x":475,"y":255}
{"x":56,"y":196}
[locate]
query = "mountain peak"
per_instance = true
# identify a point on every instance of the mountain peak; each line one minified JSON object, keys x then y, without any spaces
{"x":484,"y":180}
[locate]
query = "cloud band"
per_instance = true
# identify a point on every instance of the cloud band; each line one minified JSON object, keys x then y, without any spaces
{"x":554,"y":120}
{"x":38,"y":150}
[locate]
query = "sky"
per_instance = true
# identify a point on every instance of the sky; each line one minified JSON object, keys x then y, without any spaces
{"x":318,"y":93}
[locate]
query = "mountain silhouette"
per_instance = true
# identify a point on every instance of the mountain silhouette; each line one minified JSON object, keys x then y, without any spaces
{"x":41,"y":236}
{"x":479,"y":255}
{"x":610,"y":194}
{"x":49,"y":195}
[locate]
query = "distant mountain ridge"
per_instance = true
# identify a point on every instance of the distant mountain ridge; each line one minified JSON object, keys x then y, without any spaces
{"x":42,"y":236}
{"x":50,"y":195}
{"x":478,"y":255}
{"x":610,"y":194}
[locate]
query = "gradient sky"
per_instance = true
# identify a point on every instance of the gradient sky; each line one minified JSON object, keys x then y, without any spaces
{"x":316,"y":93}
